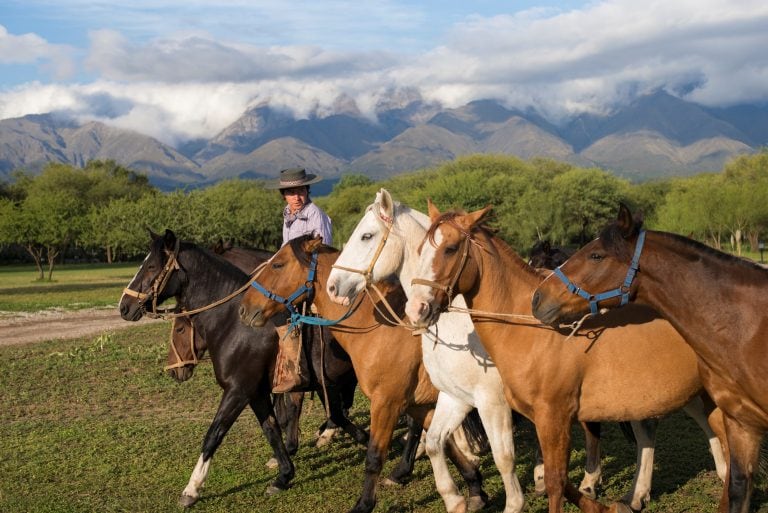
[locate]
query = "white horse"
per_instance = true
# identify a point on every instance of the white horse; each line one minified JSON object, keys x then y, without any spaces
{"x":385,"y":242}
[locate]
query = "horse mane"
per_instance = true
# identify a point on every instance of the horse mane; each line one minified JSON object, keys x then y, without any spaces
{"x":297,"y":247}
{"x":225,"y":265}
{"x":614,"y":241}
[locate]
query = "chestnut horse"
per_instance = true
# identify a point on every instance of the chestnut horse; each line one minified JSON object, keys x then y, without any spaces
{"x":716,"y":301}
{"x":384,"y":243}
{"x":387,"y":358}
{"x":551,"y":378}
{"x":242,"y":358}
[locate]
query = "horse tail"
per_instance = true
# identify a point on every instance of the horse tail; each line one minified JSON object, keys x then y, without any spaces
{"x":475,"y":433}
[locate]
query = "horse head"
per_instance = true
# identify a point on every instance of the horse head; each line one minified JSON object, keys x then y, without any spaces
{"x":283,"y":275}
{"x":448,"y":263}
{"x":185,"y":351}
{"x":157,"y":279}
{"x":605,"y":264}
{"x":373,"y":253}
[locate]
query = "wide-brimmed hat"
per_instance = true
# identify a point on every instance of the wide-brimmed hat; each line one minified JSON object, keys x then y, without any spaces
{"x":293,"y":177}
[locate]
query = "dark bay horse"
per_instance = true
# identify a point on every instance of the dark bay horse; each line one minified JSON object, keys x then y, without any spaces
{"x":242,"y":358}
{"x":544,"y":256}
{"x":387,"y":360}
{"x":719,"y":304}
{"x":598,"y":374}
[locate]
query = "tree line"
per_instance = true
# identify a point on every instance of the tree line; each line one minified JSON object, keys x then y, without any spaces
{"x":103,"y":211}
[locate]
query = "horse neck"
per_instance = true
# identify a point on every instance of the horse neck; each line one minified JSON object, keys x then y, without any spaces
{"x":703,"y":294}
{"x":208,"y":278}
{"x":410,"y":227}
{"x":506,"y":282}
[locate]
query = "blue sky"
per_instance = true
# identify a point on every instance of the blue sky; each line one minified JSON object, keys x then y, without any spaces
{"x":180,"y":69}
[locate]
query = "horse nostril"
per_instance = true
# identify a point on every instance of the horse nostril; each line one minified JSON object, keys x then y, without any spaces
{"x":536,"y":300}
{"x":332,"y":289}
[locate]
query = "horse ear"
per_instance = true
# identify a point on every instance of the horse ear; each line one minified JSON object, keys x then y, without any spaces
{"x":169,"y":239}
{"x":386,"y":205}
{"x":625,"y":221}
{"x":218,"y":248}
{"x":478,"y":216}
{"x":434,"y":213}
{"x":313,"y":244}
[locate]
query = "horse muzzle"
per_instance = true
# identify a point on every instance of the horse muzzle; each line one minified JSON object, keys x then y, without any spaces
{"x":253,"y":318}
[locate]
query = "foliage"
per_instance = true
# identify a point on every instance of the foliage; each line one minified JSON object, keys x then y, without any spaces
{"x":109,"y":207}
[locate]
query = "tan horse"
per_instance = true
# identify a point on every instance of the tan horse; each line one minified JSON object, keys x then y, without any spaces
{"x":717,"y":301}
{"x":599,"y":374}
{"x":387,"y":358}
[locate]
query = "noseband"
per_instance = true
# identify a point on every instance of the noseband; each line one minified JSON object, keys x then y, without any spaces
{"x":159,"y":283}
{"x":181,"y":362}
{"x":621,"y":291}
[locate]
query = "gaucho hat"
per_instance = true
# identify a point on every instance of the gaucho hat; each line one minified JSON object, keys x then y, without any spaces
{"x":292,"y":177}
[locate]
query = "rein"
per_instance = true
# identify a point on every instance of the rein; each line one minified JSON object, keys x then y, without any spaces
{"x":159,"y":284}
{"x":622,"y":291}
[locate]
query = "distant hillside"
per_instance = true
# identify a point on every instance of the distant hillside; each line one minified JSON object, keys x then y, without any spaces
{"x":656,"y":135}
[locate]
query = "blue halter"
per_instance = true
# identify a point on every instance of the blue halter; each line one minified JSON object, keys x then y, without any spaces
{"x":296,"y":317}
{"x":622,"y":291}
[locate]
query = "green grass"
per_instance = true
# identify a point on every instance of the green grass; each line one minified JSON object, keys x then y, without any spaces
{"x":93,"y":424}
{"x":74,"y":286}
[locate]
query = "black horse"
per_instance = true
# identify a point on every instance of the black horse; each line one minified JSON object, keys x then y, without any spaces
{"x":544,"y":256}
{"x":242,"y":357}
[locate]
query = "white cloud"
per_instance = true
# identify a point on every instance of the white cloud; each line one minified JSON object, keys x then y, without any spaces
{"x":33,"y":49}
{"x":193,"y":83}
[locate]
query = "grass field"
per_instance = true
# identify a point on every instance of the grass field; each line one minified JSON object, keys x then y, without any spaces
{"x":93,"y":425}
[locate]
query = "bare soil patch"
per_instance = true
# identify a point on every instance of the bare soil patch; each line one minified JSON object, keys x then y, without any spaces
{"x":27,"y":328}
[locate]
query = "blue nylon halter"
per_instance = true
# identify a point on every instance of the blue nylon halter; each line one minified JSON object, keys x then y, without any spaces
{"x":622,"y":291}
{"x":296,"y":317}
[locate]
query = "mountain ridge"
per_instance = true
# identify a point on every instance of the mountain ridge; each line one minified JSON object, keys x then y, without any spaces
{"x":655,"y":135}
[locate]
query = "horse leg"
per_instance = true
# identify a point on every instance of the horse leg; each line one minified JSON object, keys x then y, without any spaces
{"x":645,"y":436}
{"x":404,"y":468}
{"x":383,"y":420}
{"x":497,"y":420}
{"x":469,"y":469}
{"x":230,"y":407}
{"x":287,"y":409}
{"x":593,"y":470}
{"x":554,"y":434}
{"x":744,"y":447}
{"x":449,"y":414}
{"x":338,"y":417}
{"x":710,"y":421}
{"x":262,"y":407}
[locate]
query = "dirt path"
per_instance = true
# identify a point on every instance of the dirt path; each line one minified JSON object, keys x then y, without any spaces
{"x":26,"y":328}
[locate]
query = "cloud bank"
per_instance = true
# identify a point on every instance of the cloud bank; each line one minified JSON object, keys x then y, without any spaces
{"x":193,"y":84}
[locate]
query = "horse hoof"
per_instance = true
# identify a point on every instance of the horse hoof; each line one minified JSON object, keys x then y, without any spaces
{"x":272,"y":463}
{"x":273,"y":490}
{"x":475,"y":503}
{"x":187,"y":501}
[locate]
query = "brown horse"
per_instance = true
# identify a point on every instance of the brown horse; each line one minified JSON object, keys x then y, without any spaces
{"x":716,"y":301}
{"x":598,"y":374}
{"x":387,"y":358}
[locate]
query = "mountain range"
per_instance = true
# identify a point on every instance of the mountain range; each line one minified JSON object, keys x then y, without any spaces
{"x":656,"y":135}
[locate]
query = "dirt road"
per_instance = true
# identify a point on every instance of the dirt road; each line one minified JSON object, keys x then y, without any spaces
{"x":26,"y":328}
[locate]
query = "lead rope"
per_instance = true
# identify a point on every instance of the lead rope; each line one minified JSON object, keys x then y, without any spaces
{"x":221,"y":301}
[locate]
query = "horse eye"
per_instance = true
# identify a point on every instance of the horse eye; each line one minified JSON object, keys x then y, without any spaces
{"x":367,"y":236}
{"x":450,"y":250}
{"x":277,"y":265}
{"x":596,"y":256}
